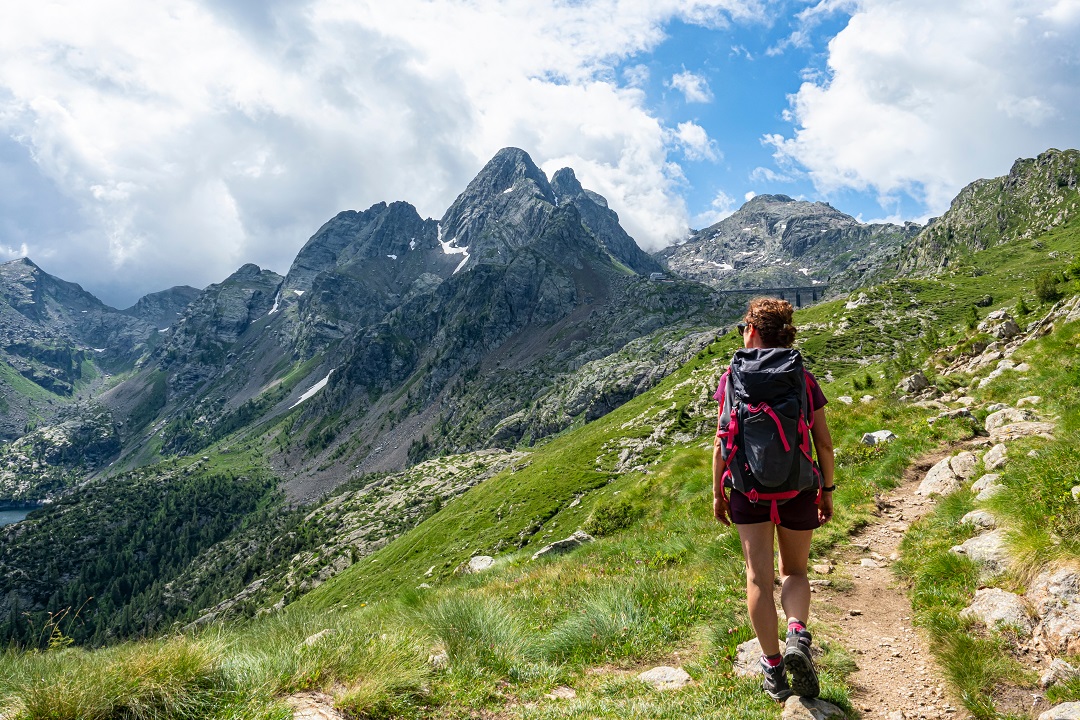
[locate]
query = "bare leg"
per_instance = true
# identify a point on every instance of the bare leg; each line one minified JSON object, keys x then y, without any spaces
{"x":757,"y":545}
{"x":795,"y":587}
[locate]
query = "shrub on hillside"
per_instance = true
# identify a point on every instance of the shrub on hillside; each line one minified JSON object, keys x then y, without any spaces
{"x":610,"y":516}
{"x":1046,"y":287}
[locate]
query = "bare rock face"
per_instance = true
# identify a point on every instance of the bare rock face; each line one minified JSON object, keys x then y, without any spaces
{"x":777,"y":241}
{"x":1037,"y":195}
{"x":995,"y":608}
{"x":939,"y":480}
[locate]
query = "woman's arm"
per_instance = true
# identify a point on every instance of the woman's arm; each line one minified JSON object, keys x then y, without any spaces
{"x":720,"y":505}
{"x":824,"y":447}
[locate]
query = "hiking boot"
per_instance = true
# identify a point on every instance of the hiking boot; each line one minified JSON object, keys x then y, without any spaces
{"x":775,"y":681}
{"x":804,"y":679}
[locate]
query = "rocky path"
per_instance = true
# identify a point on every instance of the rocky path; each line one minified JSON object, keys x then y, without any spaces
{"x":897,"y":677}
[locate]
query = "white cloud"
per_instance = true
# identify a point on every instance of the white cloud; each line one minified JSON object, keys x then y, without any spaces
{"x":764,"y":174}
{"x":695,"y":142}
{"x":636,"y":76}
{"x":722,"y":206}
{"x":923,"y":97}
{"x":173,"y":141}
{"x":695,"y":88}
{"x":750,"y":195}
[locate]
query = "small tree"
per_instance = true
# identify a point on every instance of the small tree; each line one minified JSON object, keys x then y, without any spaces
{"x":1021,"y":308}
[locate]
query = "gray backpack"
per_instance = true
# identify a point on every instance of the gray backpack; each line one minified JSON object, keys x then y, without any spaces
{"x":765,"y":420}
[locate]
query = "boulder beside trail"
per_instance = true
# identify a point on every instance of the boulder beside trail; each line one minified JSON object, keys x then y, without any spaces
{"x":939,"y":480}
{"x":1055,"y":595}
{"x":747,"y":657}
{"x":1064,"y":711}
{"x":1007,"y":416}
{"x":963,"y":465}
{"x":980,"y":519}
{"x":996,"y":608}
{"x":988,"y":550}
{"x":999,"y":324}
{"x":984,"y":482}
{"x":313,"y":706}
{"x":666,"y":678}
{"x":800,"y":708}
{"x":995,"y":457}
{"x":1059,"y":671}
{"x":1013,"y":431}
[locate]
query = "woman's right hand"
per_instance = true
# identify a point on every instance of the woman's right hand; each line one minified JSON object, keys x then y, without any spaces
{"x":720,"y":509}
{"x":825,"y":509}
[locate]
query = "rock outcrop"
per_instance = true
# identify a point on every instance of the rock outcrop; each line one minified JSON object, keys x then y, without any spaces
{"x":1037,"y":195}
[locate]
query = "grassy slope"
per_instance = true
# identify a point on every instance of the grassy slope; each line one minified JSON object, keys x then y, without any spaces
{"x":663,"y":586}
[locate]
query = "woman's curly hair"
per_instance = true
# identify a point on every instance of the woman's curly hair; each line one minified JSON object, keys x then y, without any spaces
{"x":771,"y":318}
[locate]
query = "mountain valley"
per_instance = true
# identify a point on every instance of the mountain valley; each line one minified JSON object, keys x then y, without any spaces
{"x":328,"y":450}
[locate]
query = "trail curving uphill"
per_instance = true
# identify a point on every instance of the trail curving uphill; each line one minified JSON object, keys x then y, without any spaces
{"x":897,"y":677}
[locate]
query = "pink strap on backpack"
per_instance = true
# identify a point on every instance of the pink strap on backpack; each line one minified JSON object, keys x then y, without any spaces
{"x":764,"y":407}
{"x":774,"y":513}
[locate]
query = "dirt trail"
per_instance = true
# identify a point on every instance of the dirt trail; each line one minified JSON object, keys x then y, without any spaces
{"x":897,"y":677}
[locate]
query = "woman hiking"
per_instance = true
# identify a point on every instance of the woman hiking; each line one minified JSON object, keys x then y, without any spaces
{"x":770,"y":409}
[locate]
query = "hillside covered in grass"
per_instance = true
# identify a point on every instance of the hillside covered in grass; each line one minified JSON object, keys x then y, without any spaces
{"x":406,"y":632}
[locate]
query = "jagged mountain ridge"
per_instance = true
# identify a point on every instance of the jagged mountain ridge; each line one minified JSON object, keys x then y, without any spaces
{"x":575,"y":265}
{"x":776,"y":241}
{"x":521,"y":276}
{"x":1038,"y":194}
{"x":63,"y":340}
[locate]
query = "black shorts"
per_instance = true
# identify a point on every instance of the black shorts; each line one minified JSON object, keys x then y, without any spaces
{"x":798,"y":513}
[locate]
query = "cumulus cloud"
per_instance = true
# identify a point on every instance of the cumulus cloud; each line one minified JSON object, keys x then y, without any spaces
{"x":695,"y":88}
{"x":764,"y":174}
{"x":722,"y":206}
{"x":695,"y":142}
{"x":171,"y":142}
{"x":923,"y":97}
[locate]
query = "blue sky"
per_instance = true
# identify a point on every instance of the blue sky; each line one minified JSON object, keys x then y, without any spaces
{"x":145,"y":145}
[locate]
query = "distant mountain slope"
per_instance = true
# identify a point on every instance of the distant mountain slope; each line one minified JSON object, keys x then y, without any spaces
{"x":775,"y":241}
{"x":1037,"y":195}
{"x":163,"y":308}
{"x":57,"y":340}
